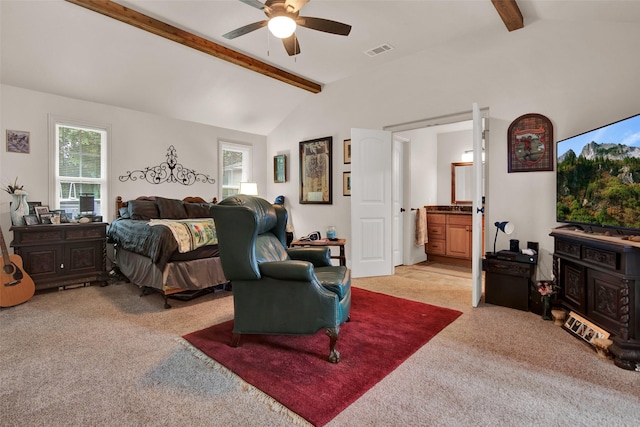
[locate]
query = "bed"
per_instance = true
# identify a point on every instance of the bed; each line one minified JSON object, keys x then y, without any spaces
{"x":167,"y":246}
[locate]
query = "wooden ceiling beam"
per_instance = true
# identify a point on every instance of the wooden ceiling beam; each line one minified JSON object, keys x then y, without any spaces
{"x":510,"y":13}
{"x":162,"y":29}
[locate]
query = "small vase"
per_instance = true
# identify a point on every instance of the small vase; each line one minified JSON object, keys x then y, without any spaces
{"x":19,"y":207}
{"x":546,"y":308}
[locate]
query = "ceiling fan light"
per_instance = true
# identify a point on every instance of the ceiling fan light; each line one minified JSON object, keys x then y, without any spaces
{"x":282,"y":26}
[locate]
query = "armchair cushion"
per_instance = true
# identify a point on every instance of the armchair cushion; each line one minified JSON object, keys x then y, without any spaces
{"x":268,"y":248}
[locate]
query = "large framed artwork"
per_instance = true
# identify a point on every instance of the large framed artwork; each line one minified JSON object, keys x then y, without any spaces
{"x":530,"y":145}
{"x":316,"y":171}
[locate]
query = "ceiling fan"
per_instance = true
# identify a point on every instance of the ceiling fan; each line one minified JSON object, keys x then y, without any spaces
{"x":283,"y":17}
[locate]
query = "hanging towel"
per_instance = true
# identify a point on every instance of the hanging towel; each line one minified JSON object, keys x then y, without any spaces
{"x":421,"y":227}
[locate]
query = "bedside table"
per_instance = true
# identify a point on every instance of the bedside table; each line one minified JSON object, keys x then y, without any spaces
{"x":508,"y":282}
{"x":325,"y":242}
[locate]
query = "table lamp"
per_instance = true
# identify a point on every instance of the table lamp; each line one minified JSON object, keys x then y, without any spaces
{"x":506,"y":227}
{"x":249,"y":188}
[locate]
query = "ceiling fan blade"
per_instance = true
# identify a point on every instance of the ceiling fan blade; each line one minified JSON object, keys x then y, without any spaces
{"x":295,"y":5}
{"x":253,"y":3}
{"x":244,"y":30}
{"x":325,"y":25}
{"x":291,"y":45}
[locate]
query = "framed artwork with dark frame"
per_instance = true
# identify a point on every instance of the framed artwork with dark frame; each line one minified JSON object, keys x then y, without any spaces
{"x":280,"y":168}
{"x":347,"y":151}
{"x":530,"y":144}
{"x":32,"y":206}
{"x":46,"y":218}
{"x":316,"y":171}
{"x":346,"y":183}
{"x":41,"y":210}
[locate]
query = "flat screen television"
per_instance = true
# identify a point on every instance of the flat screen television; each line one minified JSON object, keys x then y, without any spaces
{"x":598,"y":178}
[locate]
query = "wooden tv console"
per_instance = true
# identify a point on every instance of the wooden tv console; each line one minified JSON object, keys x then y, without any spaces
{"x":599,"y":278}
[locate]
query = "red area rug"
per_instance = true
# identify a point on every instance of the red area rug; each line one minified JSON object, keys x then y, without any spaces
{"x":383,"y":332}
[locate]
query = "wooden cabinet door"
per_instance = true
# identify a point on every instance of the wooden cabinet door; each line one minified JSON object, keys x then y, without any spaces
{"x":42,"y":262}
{"x":572,"y":278}
{"x":83,"y":258}
{"x":459,"y":236}
{"x":458,"y":241}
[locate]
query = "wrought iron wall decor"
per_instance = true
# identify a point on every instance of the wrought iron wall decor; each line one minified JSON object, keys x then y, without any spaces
{"x":169,"y":171}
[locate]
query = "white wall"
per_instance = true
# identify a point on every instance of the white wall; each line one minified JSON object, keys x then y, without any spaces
{"x":138,"y":140}
{"x":579,"y":75}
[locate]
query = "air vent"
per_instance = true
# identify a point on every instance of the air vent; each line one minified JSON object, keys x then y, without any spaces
{"x":380,"y":49}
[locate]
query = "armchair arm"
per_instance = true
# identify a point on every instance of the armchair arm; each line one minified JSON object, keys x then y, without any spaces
{"x":319,"y":256}
{"x":288,"y":270}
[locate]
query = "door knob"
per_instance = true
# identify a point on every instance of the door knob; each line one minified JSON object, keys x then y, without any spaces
{"x":402,"y":210}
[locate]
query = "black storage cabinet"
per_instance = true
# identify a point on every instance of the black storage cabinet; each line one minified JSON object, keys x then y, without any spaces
{"x":508,"y":283}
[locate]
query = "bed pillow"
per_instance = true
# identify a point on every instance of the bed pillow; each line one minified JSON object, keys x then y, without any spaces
{"x":123,"y":212}
{"x":143,"y":209}
{"x":171,"y":208}
{"x":198,"y":210}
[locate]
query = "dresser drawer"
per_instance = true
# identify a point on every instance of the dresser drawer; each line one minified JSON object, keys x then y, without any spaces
{"x":436,"y":219}
{"x":459,"y":219}
{"x":436,"y":247}
{"x":435,"y":231}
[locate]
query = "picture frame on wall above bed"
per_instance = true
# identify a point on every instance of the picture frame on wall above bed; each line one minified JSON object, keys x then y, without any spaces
{"x":316,"y":171}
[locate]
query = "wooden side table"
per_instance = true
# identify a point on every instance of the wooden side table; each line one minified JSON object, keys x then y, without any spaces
{"x":326,"y":242}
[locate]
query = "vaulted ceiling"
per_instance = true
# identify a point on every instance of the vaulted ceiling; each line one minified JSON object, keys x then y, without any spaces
{"x":59,"y":47}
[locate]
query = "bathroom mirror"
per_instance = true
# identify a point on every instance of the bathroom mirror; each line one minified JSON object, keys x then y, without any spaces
{"x":461,"y":183}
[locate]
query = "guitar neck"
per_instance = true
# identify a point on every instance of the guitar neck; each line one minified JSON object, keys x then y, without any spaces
{"x":5,"y":253}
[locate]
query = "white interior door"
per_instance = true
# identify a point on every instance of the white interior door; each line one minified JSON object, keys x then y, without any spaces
{"x":478,"y":191}
{"x":371,"y":203}
{"x":397,"y":209}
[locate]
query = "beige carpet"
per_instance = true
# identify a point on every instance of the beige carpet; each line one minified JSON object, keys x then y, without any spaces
{"x":104,"y":356}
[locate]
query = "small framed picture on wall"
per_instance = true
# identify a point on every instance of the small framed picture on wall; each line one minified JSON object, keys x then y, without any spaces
{"x":346,"y":183}
{"x":347,"y":151}
{"x":18,"y":141}
{"x":280,"y":168}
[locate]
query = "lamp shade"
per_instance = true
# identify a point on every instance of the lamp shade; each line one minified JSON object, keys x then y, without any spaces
{"x":249,"y":188}
{"x":506,"y":227}
{"x":281,"y":26}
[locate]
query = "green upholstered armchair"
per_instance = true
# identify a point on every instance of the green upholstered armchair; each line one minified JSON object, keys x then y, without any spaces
{"x":278,"y":290}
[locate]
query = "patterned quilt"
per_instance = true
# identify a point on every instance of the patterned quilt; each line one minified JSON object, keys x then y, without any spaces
{"x":190,"y":234}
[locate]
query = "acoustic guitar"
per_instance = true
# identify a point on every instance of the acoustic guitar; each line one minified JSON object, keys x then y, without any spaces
{"x":16,"y":286}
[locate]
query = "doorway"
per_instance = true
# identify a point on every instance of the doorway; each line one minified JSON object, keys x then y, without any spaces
{"x":433,"y":145}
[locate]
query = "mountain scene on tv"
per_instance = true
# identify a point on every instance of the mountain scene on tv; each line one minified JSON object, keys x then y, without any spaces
{"x":600,"y":184}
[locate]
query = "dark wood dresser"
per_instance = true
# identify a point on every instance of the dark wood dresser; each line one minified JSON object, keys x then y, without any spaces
{"x":599,"y":278}
{"x":62,"y":255}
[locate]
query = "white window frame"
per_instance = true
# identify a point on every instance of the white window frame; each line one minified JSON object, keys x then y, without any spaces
{"x":105,"y":161}
{"x":247,"y":163}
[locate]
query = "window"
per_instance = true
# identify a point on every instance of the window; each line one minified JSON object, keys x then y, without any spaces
{"x":235,"y":167}
{"x":79,"y":166}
